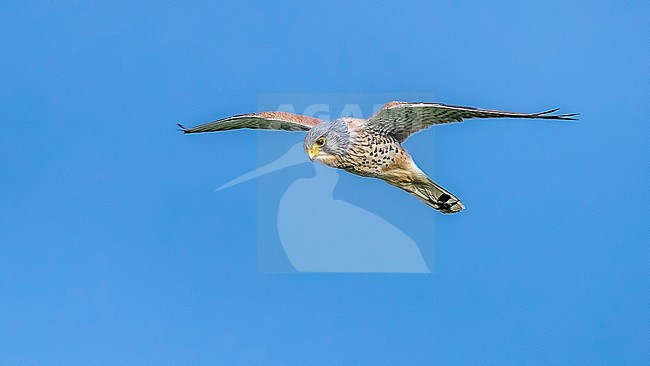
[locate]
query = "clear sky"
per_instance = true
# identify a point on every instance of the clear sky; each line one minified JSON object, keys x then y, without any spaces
{"x":116,"y":250}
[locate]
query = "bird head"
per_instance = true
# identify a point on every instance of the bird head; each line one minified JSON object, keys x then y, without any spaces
{"x":326,"y":141}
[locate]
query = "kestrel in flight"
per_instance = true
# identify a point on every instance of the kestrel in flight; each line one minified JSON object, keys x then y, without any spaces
{"x":373,"y":147}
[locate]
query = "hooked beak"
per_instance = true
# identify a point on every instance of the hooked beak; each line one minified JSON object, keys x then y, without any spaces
{"x":312,"y":153}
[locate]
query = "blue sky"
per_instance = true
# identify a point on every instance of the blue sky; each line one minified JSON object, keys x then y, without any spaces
{"x":115,"y":249}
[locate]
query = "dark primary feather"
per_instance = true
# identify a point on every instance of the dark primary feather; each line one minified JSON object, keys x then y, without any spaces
{"x":265,"y":120}
{"x":402,"y":119}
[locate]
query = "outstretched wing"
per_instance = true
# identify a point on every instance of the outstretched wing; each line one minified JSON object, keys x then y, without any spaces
{"x":265,"y":120}
{"x":402,"y":119}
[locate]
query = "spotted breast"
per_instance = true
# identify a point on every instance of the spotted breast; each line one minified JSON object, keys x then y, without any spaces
{"x":374,"y":155}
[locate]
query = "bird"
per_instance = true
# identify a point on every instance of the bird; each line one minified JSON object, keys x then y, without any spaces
{"x":373,"y":147}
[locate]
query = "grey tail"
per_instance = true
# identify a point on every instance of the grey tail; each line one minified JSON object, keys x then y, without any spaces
{"x":435,"y":196}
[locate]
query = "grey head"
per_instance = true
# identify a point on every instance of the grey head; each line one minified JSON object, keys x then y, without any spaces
{"x":328,"y":141}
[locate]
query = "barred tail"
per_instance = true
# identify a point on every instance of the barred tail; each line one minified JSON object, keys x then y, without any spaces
{"x":434,"y":195}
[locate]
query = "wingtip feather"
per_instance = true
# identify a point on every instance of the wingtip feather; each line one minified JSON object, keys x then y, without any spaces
{"x":182,"y":128}
{"x":564,"y":117}
{"x":547,"y":112}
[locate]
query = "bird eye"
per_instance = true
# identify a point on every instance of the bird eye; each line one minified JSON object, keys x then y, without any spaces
{"x":320,"y":141}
